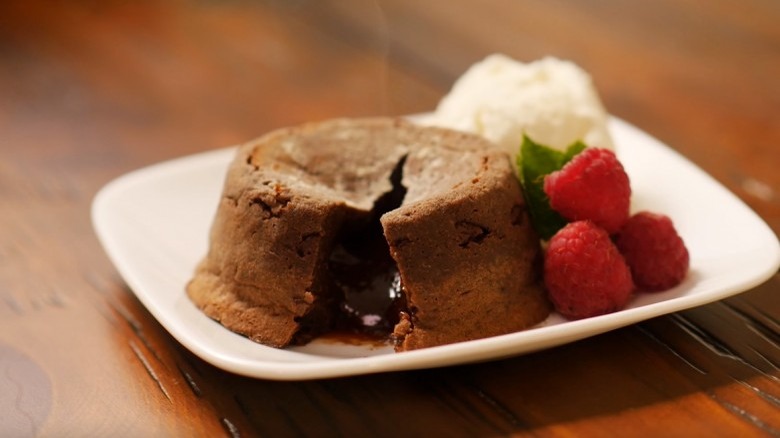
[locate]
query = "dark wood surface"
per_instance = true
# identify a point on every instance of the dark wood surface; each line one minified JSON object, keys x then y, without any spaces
{"x":90,"y":90}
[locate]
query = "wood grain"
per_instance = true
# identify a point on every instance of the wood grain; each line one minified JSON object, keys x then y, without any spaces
{"x":91,"y":90}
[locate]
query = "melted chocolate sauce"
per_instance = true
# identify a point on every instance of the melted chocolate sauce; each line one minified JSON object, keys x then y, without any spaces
{"x":362,"y":268}
{"x":369,"y":285}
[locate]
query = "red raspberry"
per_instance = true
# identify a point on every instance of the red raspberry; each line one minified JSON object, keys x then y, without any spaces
{"x":592,"y":186}
{"x":584,"y":273}
{"x":654,"y":251}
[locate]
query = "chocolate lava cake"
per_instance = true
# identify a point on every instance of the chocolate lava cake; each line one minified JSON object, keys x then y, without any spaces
{"x":416,"y":233}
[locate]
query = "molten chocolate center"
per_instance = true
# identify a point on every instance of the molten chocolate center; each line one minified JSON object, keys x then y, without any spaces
{"x":367,"y":276}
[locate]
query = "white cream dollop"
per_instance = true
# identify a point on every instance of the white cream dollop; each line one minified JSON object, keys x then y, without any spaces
{"x":553,"y":101}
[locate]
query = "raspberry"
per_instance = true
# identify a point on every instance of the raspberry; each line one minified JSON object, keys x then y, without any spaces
{"x":592,"y":186}
{"x":654,"y":251}
{"x":584,"y":273}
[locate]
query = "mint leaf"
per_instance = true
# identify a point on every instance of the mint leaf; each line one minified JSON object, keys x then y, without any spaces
{"x":535,"y":161}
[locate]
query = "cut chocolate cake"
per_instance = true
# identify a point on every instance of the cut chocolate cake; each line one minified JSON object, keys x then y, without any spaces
{"x":296,"y":246}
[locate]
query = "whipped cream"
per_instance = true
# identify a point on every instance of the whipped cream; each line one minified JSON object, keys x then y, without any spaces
{"x":552,"y":101}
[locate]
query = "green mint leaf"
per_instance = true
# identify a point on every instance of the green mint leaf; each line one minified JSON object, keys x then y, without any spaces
{"x":573,"y":149}
{"x":535,"y":161}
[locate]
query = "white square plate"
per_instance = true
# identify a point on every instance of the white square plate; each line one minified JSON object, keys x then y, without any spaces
{"x":154,"y":224}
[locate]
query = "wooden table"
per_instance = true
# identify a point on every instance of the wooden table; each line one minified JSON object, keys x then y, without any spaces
{"x":92,"y":90}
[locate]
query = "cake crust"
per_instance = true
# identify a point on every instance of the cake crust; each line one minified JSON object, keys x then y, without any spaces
{"x":286,"y":198}
{"x":467,"y":255}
